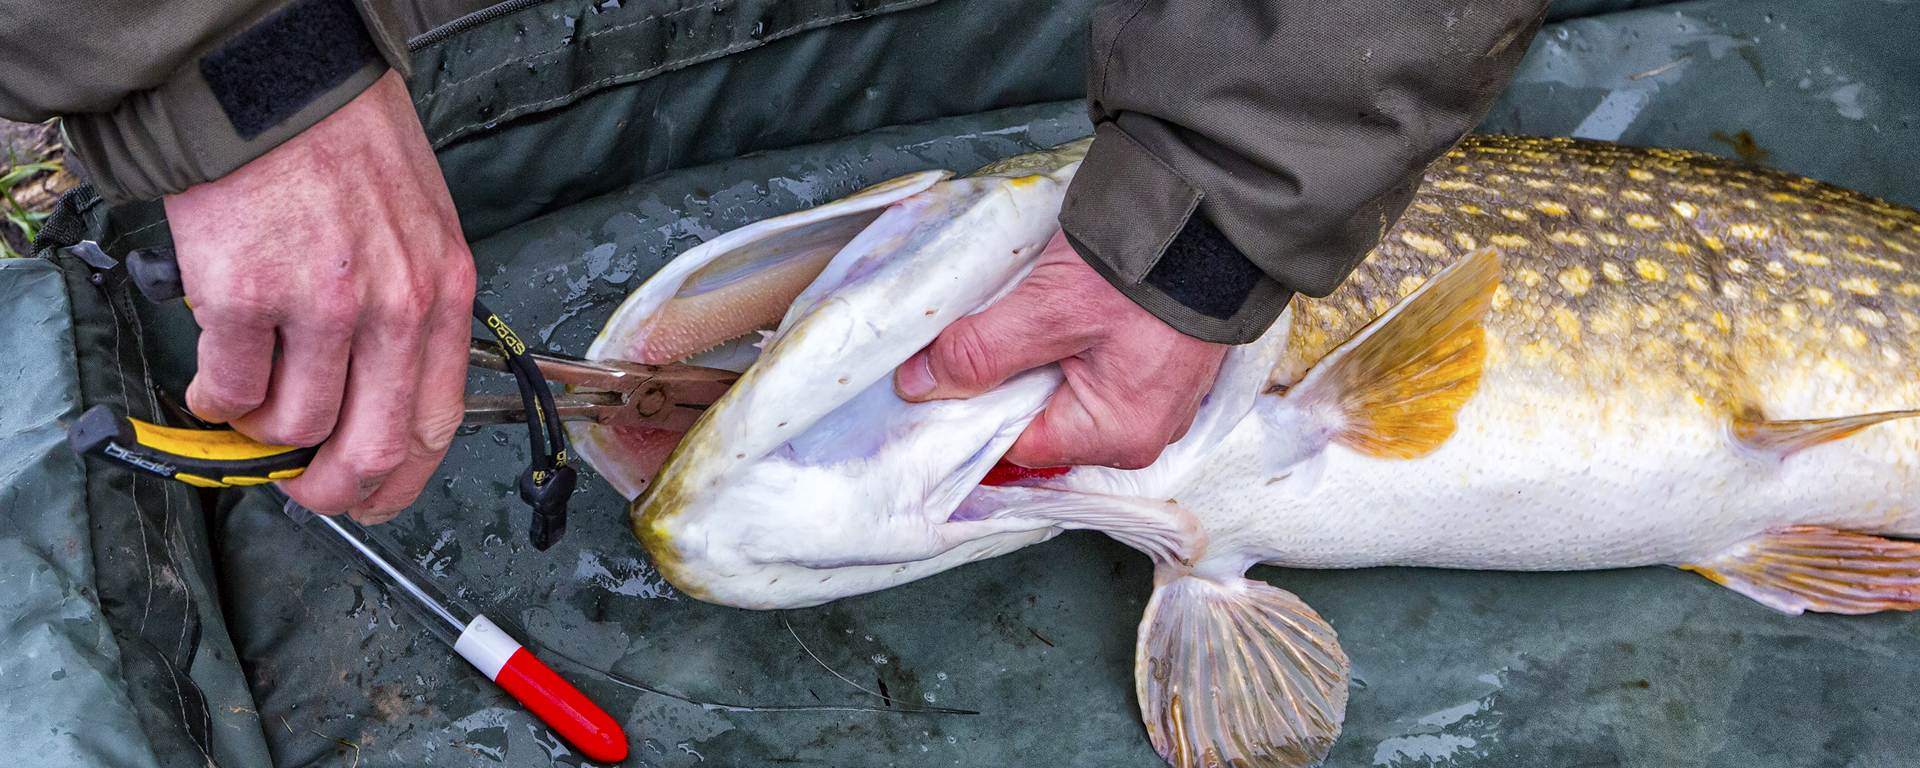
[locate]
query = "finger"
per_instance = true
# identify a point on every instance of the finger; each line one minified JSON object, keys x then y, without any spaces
{"x":236,"y":362}
{"x":980,"y":351}
{"x":302,"y":404}
{"x":438,"y":410}
{"x":376,"y":416}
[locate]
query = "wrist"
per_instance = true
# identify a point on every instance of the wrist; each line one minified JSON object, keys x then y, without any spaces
{"x":1255,"y":312}
{"x":237,"y":98}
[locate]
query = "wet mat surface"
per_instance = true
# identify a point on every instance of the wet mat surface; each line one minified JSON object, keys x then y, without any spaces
{"x":1648,"y":667}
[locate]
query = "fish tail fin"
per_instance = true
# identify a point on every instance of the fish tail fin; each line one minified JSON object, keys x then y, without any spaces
{"x":1813,"y":568}
{"x":1395,"y":389}
{"x":1238,"y":673}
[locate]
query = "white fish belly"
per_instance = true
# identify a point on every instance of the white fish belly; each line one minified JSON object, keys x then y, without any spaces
{"x":1549,"y":486}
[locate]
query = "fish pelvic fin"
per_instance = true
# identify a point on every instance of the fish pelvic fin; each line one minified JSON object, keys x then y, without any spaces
{"x":1238,"y":673}
{"x":1812,"y":568}
{"x":1785,"y":438}
{"x":1169,"y":534}
{"x":1395,"y":389}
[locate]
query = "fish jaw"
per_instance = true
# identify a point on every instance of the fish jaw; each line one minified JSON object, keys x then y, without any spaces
{"x":722,"y":289}
{"x":742,"y":280}
{"x":754,"y":491}
{"x":864,"y":501}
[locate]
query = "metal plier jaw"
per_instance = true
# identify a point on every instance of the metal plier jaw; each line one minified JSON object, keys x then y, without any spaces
{"x":607,"y":392}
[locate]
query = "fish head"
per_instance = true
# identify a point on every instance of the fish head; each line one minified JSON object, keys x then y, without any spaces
{"x":706,"y":305}
{"x":810,"y":479}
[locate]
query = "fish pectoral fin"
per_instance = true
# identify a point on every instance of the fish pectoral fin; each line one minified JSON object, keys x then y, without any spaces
{"x":1811,"y":568}
{"x":1169,"y":534}
{"x":1786,"y":438}
{"x":1395,"y":388}
{"x":1238,"y":673}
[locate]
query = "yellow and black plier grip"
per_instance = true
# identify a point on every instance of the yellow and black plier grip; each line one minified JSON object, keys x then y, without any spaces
{"x":209,"y":458}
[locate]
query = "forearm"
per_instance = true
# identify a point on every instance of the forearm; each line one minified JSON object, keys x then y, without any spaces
{"x":1295,"y":129}
{"x":159,"y":96}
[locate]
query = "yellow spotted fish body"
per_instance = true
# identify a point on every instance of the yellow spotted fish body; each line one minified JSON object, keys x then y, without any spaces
{"x":1658,"y":315}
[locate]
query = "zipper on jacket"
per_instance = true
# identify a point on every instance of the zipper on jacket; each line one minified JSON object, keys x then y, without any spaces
{"x":467,"y":22}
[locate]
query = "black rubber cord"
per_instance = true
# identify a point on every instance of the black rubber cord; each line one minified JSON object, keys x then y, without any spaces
{"x":548,"y":482}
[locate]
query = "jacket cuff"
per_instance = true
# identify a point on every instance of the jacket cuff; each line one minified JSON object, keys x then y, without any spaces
{"x":1170,"y":261}
{"x":229,"y":103}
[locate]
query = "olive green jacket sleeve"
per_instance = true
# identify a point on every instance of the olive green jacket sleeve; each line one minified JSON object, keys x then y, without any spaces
{"x":130,"y":80}
{"x":1296,"y":129}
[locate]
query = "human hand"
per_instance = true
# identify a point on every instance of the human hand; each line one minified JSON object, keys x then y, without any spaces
{"x":1133,"y":383}
{"x":334,"y":289}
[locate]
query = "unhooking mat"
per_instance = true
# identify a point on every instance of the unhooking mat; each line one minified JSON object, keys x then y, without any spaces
{"x":1646,"y":667}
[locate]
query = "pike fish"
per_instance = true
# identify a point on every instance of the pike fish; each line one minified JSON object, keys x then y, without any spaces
{"x":1565,"y":355}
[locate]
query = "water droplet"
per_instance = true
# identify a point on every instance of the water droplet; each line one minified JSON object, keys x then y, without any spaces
{"x":500,"y":438}
{"x":467,"y":430}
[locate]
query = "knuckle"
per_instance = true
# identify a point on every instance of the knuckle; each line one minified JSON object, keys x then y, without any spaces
{"x":966,"y":358}
{"x":299,"y":432}
{"x":373,"y":459}
{"x":241,"y":309}
{"x":409,"y":302}
{"x":224,"y":399}
{"x":457,"y":274}
{"x":433,"y":432}
{"x":336,"y":318}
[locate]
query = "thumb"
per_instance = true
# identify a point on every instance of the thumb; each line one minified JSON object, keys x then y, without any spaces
{"x":978,"y":352}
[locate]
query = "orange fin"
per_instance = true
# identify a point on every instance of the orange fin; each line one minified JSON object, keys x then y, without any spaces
{"x":1789,"y":437}
{"x":1394,"y":389}
{"x":1811,"y":568}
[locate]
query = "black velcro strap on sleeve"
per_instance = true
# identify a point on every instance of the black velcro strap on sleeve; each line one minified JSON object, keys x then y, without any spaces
{"x":271,"y":71}
{"x":1204,"y":271}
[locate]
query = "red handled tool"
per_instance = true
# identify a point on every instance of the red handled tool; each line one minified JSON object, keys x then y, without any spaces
{"x":475,"y":637}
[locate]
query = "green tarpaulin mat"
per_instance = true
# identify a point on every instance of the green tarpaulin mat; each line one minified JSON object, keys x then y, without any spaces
{"x":1645,"y":667}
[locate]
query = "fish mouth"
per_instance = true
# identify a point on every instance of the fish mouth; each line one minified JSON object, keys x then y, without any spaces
{"x":742,"y":281}
{"x":811,"y":479}
{"x":713,"y":297}
{"x":741,"y":291}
